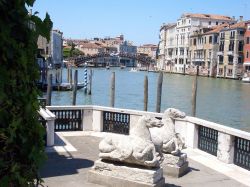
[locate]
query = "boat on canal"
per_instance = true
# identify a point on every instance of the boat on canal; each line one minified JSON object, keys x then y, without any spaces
{"x":246,"y":78}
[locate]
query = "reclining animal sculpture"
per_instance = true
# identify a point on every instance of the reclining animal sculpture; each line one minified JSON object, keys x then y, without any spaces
{"x":136,"y":148}
{"x":165,"y":138}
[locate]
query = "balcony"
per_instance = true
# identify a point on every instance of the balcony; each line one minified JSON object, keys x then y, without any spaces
{"x":230,"y":52}
{"x":220,"y":53}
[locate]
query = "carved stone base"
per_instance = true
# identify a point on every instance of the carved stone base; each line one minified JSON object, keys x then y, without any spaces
{"x":120,"y":175}
{"x":175,"y":166}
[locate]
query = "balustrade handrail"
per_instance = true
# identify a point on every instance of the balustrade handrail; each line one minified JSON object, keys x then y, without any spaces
{"x":194,"y":120}
{"x":103,"y":108}
{"x":219,"y":127}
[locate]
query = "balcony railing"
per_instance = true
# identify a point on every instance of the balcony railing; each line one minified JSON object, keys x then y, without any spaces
{"x":215,"y":139}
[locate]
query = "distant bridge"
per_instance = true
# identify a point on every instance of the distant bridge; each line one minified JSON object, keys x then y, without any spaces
{"x":145,"y":60}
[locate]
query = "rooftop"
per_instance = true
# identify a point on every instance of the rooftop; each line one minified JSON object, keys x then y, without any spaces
{"x":208,"y":16}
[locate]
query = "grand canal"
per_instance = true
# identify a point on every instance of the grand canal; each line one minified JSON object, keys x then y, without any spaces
{"x":219,"y":100}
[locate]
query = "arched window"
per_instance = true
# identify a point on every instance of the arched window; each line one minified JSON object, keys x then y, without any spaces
{"x":247,"y":55}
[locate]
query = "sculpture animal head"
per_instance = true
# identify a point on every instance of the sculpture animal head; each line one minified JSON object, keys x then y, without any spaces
{"x":173,"y":113}
{"x":151,"y":121}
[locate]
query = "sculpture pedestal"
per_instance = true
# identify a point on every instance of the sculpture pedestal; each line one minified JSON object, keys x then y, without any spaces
{"x":120,"y":175}
{"x":175,"y":166}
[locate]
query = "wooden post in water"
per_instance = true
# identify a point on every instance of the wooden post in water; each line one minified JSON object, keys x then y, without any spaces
{"x":194,"y":92}
{"x":159,"y":90}
{"x":70,"y":76}
{"x":184,"y":69}
{"x":146,"y":93}
{"x":197,"y":70}
{"x":75,"y":87}
{"x":68,"y":73}
{"x":49,"y":91}
{"x":90,"y":81}
{"x":112,"y":90}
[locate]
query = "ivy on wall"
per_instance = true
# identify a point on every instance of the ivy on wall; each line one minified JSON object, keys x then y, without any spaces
{"x":21,"y":135}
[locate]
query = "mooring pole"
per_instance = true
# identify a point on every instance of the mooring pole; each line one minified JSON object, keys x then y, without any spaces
{"x":146,"y":93}
{"x":70,"y":76}
{"x":49,"y":91}
{"x":85,"y":78}
{"x":90,"y":82}
{"x":159,"y":91}
{"x":112,"y":90}
{"x":194,"y":93}
{"x":75,"y":87}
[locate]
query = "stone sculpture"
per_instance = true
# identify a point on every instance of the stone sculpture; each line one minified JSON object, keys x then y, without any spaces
{"x":137,"y":148}
{"x":165,"y":138}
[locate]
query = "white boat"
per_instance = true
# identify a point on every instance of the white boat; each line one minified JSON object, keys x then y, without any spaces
{"x":133,"y":70}
{"x":246,"y":78}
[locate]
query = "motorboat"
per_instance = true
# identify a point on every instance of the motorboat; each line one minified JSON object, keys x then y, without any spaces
{"x":246,"y":78}
{"x":133,"y":70}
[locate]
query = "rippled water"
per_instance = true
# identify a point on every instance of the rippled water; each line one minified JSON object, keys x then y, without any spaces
{"x":219,"y":100}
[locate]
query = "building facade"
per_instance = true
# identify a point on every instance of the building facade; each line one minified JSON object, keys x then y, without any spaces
{"x":230,"y":55}
{"x":148,"y":49}
{"x":185,"y":26}
{"x":246,"y":50}
{"x":203,"y":48}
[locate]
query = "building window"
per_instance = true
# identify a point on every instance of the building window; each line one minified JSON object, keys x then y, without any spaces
{"x":222,"y":35}
{"x":230,"y":59}
{"x":231,"y":46}
{"x":240,"y":60}
{"x":217,"y":23}
{"x":209,"y":23}
{"x":232,"y":34}
{"x":241,"y":32}
{"x":220,"y":59}
{"x":230,"y":72}
{"x":248,"y":39}
{"x":210,"y":39}
{"x":194,"y":41}
{"x":221,"y":47}
{"x":215,"y":39}
{"x":240,"y":45}
{"x":247,"y":54}
{"x":220,"y":71}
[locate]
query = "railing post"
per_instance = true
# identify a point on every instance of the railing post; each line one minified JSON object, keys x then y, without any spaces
{"x":50,"y":130}
{"x":225,"y":152}
{"x":192,"y":135}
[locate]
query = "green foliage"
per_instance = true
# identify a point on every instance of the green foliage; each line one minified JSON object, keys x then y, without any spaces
{"x":68,"y":52}
{"x":21,"y":135}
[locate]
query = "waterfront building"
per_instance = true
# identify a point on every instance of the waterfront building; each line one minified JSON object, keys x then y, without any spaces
{"x":230,"y":54}
{"x":203,"y":48}
{"x":167,"y":47}
{"x":52,"y":54}
{"x":185,"y":26}
{"x":127,"y":48}
{"x":246,"y":50}
{"x":148,"y":50}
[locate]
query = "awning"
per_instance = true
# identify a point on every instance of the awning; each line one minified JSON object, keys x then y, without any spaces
{"x":246,"y":64}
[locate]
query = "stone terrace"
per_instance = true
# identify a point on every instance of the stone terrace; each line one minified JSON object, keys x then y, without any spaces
{"x":74,"y":154}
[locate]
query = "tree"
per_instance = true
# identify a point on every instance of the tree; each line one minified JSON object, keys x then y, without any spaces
{"x":21,"y":135}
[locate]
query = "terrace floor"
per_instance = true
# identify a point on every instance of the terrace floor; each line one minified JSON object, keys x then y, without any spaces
{"x":75,"y":152}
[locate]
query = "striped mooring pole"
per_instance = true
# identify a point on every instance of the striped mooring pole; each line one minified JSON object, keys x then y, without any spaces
{"x":85,"y":78}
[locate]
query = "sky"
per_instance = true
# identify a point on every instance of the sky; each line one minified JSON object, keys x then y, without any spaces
{"x":138,"y":20}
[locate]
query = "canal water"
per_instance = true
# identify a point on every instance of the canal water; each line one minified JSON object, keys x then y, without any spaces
{"x":222,"y":101}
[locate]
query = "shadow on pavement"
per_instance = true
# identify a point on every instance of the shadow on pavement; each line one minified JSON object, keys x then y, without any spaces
{"x":58,"y":165}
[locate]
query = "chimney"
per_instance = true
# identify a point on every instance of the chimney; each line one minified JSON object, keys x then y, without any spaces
{"x":241,"y":18}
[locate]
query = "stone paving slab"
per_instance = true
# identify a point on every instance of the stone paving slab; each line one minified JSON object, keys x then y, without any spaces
{"x":69,"y":168}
